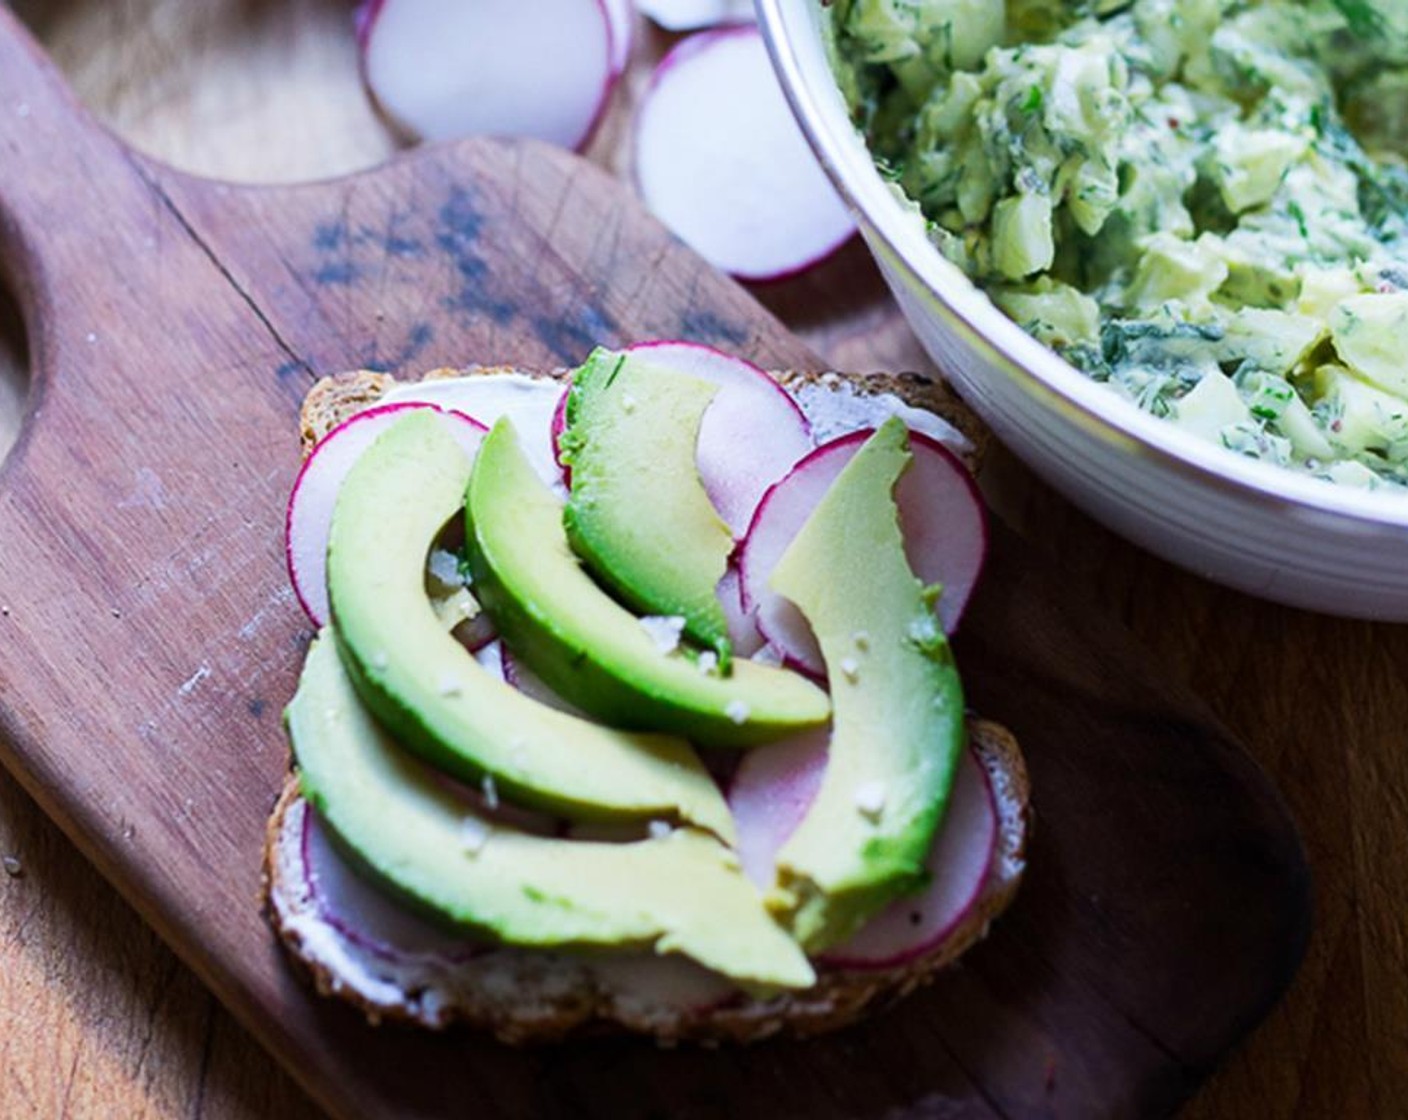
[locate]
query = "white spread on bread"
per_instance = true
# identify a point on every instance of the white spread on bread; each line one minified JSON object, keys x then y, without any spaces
{"x":834,"y":406}
{"x":528,"y":401}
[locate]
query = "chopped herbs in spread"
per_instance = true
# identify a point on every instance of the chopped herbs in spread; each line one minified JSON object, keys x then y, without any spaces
{"x":1202,"y":203}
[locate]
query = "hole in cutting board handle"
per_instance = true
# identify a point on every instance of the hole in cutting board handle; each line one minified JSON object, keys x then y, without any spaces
{"x":229,"y":90}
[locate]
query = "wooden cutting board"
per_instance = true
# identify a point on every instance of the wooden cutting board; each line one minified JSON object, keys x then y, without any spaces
{"x":148,"y":640}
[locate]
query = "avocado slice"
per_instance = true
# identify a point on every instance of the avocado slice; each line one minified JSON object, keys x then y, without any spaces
{"x":431,"y":694}
{"x":638,"y":514}
{"x":585,"y":645}
{"x":683,"y":893}
{"x":897,"y":705}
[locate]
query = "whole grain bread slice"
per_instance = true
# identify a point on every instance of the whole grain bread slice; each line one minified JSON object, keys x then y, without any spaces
{"x":529,"y":996}
{"x":525,"y":996}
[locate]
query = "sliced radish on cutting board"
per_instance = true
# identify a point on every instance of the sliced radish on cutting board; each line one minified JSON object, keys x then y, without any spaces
{"x":721,"y":161}
{"x":448,"y":68}
{"x":752,"y":434}
{"x":941,"y":514}
{"x":308,"y":521}
{"x":776,"y":785}
{"x":691,"y":15}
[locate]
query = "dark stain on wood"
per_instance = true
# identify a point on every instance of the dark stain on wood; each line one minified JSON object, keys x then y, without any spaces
{"x":701,"y":325}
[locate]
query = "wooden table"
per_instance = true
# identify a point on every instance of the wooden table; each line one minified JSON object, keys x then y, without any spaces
{"x":97,"y":1018}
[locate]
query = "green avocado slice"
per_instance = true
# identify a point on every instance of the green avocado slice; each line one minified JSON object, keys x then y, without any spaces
{"x":589,"y":648}
{"x":638,"y":514}
{"x":432,"y":695}
{"x":897,"y":704}
{"x":683,"y":893}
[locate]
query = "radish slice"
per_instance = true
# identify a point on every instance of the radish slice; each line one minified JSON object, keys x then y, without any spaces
{"x":362,"y":17}
{"x":559,"y":425}
{"x":448,"y":68}
{"x":691,"y":15}
{"x":528,"y":401}
{"x":530,"y":684}
{"x":941,"y":514}
{"x":364,"y":915}
{"x":622,"y":17}
{"x":743,"y":629}
{"x":776,"y":785}
{"x":308,"y":521}
{"x":771,"y":792}
{"x":958,"y":866}
{"x":721,"y":161}
{"x":477,"y":633}
{"x":752,"y":434}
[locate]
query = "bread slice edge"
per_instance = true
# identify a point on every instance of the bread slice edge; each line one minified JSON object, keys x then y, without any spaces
{"x":524,"y":997}
{"x":532,"y":996}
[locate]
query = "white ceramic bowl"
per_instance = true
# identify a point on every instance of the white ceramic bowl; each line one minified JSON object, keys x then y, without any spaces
{"x":1247,"y":524}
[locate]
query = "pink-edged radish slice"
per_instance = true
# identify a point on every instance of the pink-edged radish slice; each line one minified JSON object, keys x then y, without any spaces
{"x":559,"y":425}
{"x":528,"y":401}
{"x":622,"y":16}
{"x":308,"y":520}
{"x":442,"y":69}
{"x":941,"y":514}
{"x":720,"y":159}
{"x":530,"y":684}
{"x":491,"y":656}
{"x":752,"y":434}
{"x":362,"y":17}
{"x":364,"y":915}
{"x":770,"y":793}
{"x":691,"y":15}
{"x":776,"y":785}
{"x":743,"y":629}
{"x":486,"y":810}
{"x":958,"y":866}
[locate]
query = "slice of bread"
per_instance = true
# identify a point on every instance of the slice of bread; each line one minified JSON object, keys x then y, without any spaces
{"x":524,"y":996}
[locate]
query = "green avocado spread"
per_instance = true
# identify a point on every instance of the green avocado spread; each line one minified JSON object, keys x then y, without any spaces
{"x":1201,"y":203}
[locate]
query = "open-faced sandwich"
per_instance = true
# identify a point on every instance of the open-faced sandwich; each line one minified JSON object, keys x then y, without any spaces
{"x":632,"y":704}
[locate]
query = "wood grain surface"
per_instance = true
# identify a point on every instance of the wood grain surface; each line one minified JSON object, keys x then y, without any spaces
{"x":101,"y":1021}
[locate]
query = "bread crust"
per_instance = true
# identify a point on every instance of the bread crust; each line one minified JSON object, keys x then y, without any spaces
{"x":335,"y":399}
{"x":529,"y":996}
{"x":536,"y":997}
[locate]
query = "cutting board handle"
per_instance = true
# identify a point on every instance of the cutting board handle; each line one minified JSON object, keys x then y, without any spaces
{"x":64,"y":175}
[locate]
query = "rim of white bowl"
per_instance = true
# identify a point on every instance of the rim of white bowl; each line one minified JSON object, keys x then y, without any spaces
{"x":847,"y":160}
